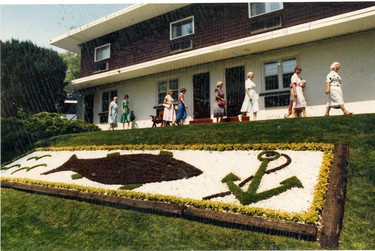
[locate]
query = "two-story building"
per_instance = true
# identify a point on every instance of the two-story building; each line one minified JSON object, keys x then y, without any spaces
{"x":146,"y":49}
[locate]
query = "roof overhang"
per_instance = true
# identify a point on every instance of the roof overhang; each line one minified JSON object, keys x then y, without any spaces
{"x":134,"y":14}
{"x":335,"y":26}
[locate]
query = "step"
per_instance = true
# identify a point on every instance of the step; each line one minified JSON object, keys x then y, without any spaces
{"x":227,"y":119}
{"x":235,"y":119}
{"x":200,"y":121}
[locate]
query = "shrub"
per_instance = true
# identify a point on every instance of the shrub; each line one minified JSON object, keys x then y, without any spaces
{"x":18,"y":134}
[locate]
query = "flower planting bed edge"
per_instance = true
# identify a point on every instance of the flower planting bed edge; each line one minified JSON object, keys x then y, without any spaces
{"x":328,"y":235}
{"x":292,"y":229}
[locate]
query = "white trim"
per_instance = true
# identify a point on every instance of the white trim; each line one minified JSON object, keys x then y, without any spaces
{"x":100,"y":47}
{"x":70,"y":102}
{"x":132,"y":15}
{"x":267,"y":12}
{"x":179,"y":21}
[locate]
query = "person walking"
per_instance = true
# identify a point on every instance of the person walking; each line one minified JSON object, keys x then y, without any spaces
{"x":219,"y":102}
{"x":290,"y":107}
{"x":334,"y":91}
{"x":125,"y":117}
{"x":250,"y":102}
{"x":169,"y":115}
{"x":112,"y":114}
{"x":299,"y":102}
{"x":181,"y":114}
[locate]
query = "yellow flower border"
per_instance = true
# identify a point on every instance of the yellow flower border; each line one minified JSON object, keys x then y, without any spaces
{"x":312,"y":215}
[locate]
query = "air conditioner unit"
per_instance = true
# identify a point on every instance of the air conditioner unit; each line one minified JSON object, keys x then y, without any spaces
{"x":265,"y":25}
{"x":103,"y":66}
{"x":181,"y":46}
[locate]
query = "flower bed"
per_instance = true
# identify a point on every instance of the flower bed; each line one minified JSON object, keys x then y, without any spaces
{"x":257,"y":177}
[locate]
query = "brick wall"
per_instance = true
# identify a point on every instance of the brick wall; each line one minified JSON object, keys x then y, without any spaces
{"x":214,"y":24}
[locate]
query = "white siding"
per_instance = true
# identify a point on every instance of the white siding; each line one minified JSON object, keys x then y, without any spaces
{"x":355,"y":52}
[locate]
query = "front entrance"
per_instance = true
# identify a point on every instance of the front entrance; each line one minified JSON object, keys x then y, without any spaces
{"x":89,"y":108}
{"x":235,"y":89}
{"x":201,"y":96}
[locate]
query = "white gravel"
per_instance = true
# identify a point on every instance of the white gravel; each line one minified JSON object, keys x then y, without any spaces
{"x":215,"y":166}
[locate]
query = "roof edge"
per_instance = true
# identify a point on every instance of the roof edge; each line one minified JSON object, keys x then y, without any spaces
{"x":113,"y":22}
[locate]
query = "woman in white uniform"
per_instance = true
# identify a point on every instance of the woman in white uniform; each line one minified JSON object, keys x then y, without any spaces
{"x":250,"y":102}
{"x":334,"y":91}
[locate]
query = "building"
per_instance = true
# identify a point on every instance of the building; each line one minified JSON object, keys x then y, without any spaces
{"x":146,"y":49}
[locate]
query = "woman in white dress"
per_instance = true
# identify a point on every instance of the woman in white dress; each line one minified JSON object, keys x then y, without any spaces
{"x":250,"y":102}
{"x":334,"y":91}
{"x":169,"y":115}
{"x":299,"y":101}
{"x":112,"y":114}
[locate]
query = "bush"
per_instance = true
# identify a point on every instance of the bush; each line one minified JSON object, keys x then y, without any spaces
{"x":18,"y":134}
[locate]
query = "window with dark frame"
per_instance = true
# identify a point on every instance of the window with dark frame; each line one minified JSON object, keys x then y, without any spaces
{"x":271,"y":74}
{"x":163,"y":88}
{"x":277,"y":75}
{"x":107,"y":98}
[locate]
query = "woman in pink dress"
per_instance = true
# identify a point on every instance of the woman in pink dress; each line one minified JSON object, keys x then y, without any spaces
{"x":299,"y":102}
{"x":169,"y":115}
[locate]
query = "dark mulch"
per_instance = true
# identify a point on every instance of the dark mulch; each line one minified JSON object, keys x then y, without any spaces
{"x":129,"y":169}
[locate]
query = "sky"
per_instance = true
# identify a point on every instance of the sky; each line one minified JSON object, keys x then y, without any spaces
{"x":39,"y":23}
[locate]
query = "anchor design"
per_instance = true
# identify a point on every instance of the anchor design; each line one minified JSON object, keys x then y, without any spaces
{"x":251,"y":195}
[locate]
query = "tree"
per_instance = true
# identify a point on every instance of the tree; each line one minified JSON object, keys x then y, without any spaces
{"x":32,"y":78}
{"x":73,"y":64}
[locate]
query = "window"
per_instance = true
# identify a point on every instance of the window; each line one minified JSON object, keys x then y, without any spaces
{"x":107,"y":98}
{"x":163,"y":88}
{"x":102,"y":52}
{"x":271,"y":73}
{"x":182,"y":28}
{"x":256,"y":9}
{"x":277,"y":76}
{"x":288,"y":67}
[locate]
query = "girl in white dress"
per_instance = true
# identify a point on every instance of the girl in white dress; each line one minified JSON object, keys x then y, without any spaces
{"x":334,"y":91}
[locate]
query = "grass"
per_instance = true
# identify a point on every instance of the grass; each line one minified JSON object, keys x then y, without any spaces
{"x":36,"y":222}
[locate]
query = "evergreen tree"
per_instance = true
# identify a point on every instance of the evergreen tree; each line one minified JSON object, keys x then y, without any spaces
{"x":32,"y":78}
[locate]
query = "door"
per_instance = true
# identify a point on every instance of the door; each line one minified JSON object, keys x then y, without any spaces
{"x":89,"y":108}
{"x":201,"y":96}
{"x":235,"y":89}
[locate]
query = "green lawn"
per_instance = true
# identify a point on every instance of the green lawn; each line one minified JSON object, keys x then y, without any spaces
{"x":36,"y":222}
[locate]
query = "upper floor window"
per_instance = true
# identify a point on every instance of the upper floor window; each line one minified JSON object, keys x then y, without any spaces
{"x":163,"y":88}
{"x":256,"y":9}
{"x":182,"y":28}
{"x":102,"y":52}
{"x":277,"y":77}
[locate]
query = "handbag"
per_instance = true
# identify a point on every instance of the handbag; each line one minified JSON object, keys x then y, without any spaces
{"x":132,"y":116}
{"x":221,"y":102}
